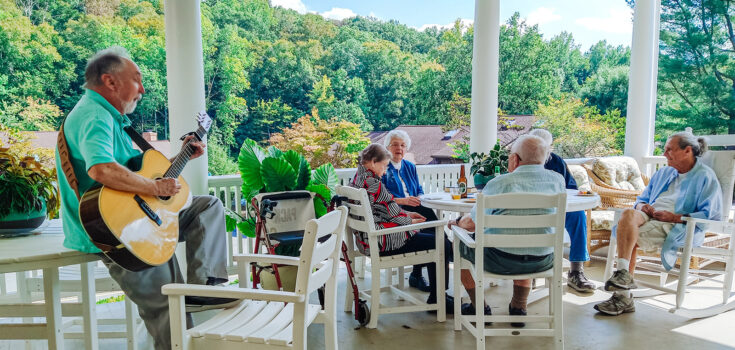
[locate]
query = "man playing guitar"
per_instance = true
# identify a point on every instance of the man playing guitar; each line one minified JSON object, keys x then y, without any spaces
{"x":98,"y":148}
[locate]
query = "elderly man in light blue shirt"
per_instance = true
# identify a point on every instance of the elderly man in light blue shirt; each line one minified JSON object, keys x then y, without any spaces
{"x":684,"y":188}
{"x":526,"y":163}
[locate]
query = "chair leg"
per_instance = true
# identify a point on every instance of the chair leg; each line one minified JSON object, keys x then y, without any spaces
{"x":299,"y":325}
{"x":388,"y":276}
{"x":374,"y":297}
{"x":330,"y":311}
{"x":457,"y":287}
{"x":480,"y":309}
{"x":558,"y":312}
{"x":441,"y":299}
{"x":91,"y":340}
{"x":177,"y":317}
{"x":401,"y":277}
{"x":551,"y":286}
{"x":130,"y":324}
{"x":727,"y":283}
{"x":360,"y":267}
{"x":684,"y":270}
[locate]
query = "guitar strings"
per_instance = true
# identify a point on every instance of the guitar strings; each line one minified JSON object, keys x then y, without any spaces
{"x":183,"y":157}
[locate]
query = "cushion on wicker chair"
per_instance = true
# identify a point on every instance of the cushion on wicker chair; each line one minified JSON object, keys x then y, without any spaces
{"x":580,"y":176}
{"x":602,"y":220}
{"x":619,"y":172}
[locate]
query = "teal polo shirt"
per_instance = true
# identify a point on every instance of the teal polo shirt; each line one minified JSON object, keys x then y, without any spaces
{"x":95,"y":135}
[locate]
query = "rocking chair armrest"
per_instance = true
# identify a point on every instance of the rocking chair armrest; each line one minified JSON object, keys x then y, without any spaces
{"x":463,"y":235}
{"x":266,"y":259}
{"x":427,"y":224}
{"x":227,"y":292}
{"x":712,"y":225}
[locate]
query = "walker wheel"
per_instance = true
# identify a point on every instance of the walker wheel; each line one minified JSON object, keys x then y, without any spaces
{"x":363,"y":316}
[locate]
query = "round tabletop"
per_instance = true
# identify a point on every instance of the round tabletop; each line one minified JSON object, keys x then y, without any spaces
{"x":444,"y":201}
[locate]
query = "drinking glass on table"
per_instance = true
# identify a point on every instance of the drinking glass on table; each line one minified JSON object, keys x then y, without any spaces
{"x":454,"y":191}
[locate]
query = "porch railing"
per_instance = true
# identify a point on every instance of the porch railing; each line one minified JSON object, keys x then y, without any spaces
{"x":433,"y":178}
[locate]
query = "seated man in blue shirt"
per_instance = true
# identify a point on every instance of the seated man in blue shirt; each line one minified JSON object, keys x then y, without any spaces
{"x":575,"y":224}
{"x":684,"y":188}
{"x":525,"y":162}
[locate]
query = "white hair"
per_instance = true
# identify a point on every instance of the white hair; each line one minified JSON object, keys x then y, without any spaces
{"x":531,"y":148}
{"x":698,"y":144}
{"x":107,"y":61}
{"x":544,"y":134}
{"x":395,"y":133}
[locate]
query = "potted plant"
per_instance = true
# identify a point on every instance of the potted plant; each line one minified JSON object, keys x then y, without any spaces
{"x":272,"y":170}
{"x":484,"y":165}
{"x":27,"y":177}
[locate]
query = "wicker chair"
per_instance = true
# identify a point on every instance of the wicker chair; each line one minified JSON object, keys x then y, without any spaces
{"x":610,"y":198}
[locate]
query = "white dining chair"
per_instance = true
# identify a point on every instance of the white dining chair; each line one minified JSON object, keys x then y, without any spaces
{"x":552,"y":323}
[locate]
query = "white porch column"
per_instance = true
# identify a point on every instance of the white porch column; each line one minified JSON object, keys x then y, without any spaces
{"x":640,"y":122}
{"x":485,"y":61}
{"x":185,"y":75}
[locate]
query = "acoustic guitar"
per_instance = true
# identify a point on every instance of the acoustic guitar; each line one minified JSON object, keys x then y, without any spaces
{"x":138,"y":231}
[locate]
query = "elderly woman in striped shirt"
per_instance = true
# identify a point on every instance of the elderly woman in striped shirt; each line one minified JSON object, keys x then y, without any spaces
{"x":387,"y":213}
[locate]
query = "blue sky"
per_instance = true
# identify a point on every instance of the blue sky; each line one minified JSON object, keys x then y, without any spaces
{"x":588,"y":20}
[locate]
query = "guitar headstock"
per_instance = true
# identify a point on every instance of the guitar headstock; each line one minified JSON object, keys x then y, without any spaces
{"x":205,"y":122}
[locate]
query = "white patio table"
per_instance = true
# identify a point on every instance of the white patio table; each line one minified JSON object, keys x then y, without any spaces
{"x":46,"y":251}
{"x":440,"y":201}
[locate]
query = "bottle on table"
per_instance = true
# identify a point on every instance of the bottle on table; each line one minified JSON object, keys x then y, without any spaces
{"x":462,"y":182}
{"x":497,"y":171}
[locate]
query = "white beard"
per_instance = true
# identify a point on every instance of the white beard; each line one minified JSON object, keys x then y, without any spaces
{"x":129,"y":107}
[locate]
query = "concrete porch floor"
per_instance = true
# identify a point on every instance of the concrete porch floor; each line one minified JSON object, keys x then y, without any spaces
{"x":650,"y":327}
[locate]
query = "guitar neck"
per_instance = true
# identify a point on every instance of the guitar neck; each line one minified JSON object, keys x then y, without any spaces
{"x":179,"y":162}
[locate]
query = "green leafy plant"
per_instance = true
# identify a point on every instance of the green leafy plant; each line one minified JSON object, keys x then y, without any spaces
{"x":272,"y":170}
{"x":485,"y":164}
{"x":27,"y":176}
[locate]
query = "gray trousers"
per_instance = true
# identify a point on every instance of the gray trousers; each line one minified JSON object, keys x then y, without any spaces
{"x":202,"y":226}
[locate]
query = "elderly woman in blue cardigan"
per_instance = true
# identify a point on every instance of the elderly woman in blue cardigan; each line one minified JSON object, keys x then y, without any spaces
{"x":402,"y":181}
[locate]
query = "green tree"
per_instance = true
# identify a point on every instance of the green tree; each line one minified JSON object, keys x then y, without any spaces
{"x":323,"y":142}
{"x":263,"y":119}
{"x":697,"y":65}
{"x":578,"y":129}
{"x":607,"y":89}
{"x":571,"y":63}
{"x":527,"y":68}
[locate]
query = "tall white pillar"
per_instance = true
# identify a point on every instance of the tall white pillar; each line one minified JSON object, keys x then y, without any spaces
{"x":485,"y":61}
{"x":640,"y":121}
{"x":185,"y":76}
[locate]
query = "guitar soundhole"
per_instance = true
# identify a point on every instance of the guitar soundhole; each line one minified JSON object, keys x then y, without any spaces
{"x":163,"y":198}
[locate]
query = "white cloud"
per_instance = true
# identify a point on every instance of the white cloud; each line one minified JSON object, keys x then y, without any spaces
{"x":464,"y":21}
{"x":618,"y":22}
{"x":338,"y":13}
{"x":542,"y":15}
{"x":297,"y":5}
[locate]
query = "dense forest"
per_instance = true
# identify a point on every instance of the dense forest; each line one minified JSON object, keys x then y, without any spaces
{"x":267,"y":67}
